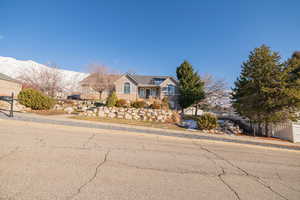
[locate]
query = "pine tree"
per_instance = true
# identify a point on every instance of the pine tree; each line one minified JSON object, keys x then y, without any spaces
{"x":261,"y":92}
{"x":292,"y":90}
{"x":293,"y":67}
{"x":191,"y":87}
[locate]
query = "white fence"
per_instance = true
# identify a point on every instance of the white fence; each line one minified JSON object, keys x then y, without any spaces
{"x":287,"y":131}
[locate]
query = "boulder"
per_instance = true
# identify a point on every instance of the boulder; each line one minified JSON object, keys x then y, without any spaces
{"x":120,"y":116}
{"x":128,"y":116}
{"x":101,"y":113}
{"x":69,"y":110}
{"x":160,"y":117}
{"x":84,"y":108}
{"x":111,"y":115}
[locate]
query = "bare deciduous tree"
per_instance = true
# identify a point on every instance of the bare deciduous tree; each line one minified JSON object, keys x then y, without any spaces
{"x":214,"y":87}
{"x":48,"y":79}
{"x":101,"y":79}
{"x":215,"y":92}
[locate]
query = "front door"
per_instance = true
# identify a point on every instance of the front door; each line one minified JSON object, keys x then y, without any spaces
{"x":147,"y":93}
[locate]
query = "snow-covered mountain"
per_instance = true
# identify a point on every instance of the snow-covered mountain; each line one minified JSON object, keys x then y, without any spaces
{"x":14,"y":68}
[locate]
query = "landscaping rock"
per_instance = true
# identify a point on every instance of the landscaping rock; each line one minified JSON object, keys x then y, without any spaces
{"x":89,"y":109}
{"x":111,"y":115}
{"x":69,"y":110}
{"x":101,"y":113}
{"x":128,"y":116}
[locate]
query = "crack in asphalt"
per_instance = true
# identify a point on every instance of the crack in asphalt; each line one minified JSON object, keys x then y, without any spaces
{"x":220,"y":176}
{"x":162,"y":170}
{"x":89,"y":139}
{"x":9,"y":153}
{"x":256,"y":178}
{"x":92,"y":178}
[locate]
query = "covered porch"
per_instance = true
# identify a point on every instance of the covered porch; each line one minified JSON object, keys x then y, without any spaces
{"x":149,"y":92}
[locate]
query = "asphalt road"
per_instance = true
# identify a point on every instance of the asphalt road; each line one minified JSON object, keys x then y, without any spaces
{"x":43,"y":161}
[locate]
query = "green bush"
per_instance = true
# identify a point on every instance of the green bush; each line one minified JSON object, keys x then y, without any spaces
{"x":35,"y":99}
{"x":121,"y":103}
{"x":112,"y":100}
{"x":139,"y":104}
{"x":156,"y":105}
{"x":207,"y":121}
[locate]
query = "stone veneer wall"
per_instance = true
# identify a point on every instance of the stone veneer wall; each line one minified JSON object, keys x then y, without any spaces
{"x":142,"y":114}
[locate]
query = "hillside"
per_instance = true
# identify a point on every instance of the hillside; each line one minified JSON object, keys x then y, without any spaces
{"x":13,"y":68}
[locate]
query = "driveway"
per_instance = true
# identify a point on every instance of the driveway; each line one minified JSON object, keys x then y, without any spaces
{"x":44,"y":161}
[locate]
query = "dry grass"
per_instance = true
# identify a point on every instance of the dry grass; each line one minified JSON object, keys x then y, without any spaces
{"x":131,"y":122}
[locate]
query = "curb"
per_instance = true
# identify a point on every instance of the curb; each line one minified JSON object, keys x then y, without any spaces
{"x":151,"y":132}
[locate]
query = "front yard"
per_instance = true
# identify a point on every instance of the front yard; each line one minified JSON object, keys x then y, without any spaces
{"x":131,"y":122}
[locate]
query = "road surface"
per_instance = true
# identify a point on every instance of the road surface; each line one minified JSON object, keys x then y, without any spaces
{"x":44,"y":161}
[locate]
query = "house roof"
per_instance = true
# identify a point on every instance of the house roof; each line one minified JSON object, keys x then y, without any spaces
{"x":7,"y":78}
{"x":148,"y":80}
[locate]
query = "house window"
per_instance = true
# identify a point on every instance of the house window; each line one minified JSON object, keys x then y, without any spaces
{"x":171,"y":90}
{"x":142,"y":92}
{"x":126,"y":88}
{"x":172,"y":104}
{"x":153,"y":92}
{"x":158,"y":81}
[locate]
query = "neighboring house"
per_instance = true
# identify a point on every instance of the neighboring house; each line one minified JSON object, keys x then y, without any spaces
{"x":87,"y":91}
{"x":9,"y":86}
{"x":137,"y":87}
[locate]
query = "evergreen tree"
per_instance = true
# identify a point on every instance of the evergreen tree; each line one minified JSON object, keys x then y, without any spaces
{"x":293,"y":67}
{"x":191,"y":87}
{"x":262,"y":92}
{"x":292,"y":90}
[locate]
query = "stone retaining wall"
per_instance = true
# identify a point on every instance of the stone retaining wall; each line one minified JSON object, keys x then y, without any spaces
{"x":132,"y":114}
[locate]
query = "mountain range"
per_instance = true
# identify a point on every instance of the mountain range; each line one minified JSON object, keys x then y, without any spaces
{"x":14,"y":68}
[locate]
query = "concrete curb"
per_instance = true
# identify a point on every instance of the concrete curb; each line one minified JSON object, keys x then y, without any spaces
{"x":150,"y":131}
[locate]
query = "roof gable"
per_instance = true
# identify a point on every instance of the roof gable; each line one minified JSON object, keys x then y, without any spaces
{"x":169,"y":78}
{"x":149,"y":80}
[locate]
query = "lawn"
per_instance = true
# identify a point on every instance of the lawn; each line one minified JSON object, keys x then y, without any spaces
{"x":131,"y":122}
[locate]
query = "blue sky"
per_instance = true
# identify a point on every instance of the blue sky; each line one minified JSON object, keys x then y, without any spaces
{"x":148,"y":37}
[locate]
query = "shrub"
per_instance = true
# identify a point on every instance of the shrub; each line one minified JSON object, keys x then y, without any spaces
{"x":165,"y":100}
{"x":207,"y":121}
{"x":35,"y":100}
{"x":156,"y":105}
{"x":121,"y":103}
{"x":176,"y":117}
{"x":112,"y":100}
{"x":139,"y":104}
{"x":99,"y":104}
{"x":165,"y":103}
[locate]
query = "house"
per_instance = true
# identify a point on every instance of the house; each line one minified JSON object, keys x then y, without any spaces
{"x":9,"y":85}
{"x":90,"y":84}
{"x":133,"y":87}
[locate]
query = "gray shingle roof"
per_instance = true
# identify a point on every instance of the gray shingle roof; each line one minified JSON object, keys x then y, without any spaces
{"x":6,"y":78}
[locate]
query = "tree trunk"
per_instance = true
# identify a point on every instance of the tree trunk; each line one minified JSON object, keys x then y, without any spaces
{"x":196,"y":111}
{"x":259,"y":129}
{"x":267,"y":129}
{"x":252,"y":128}
{"x":100,"y":95}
